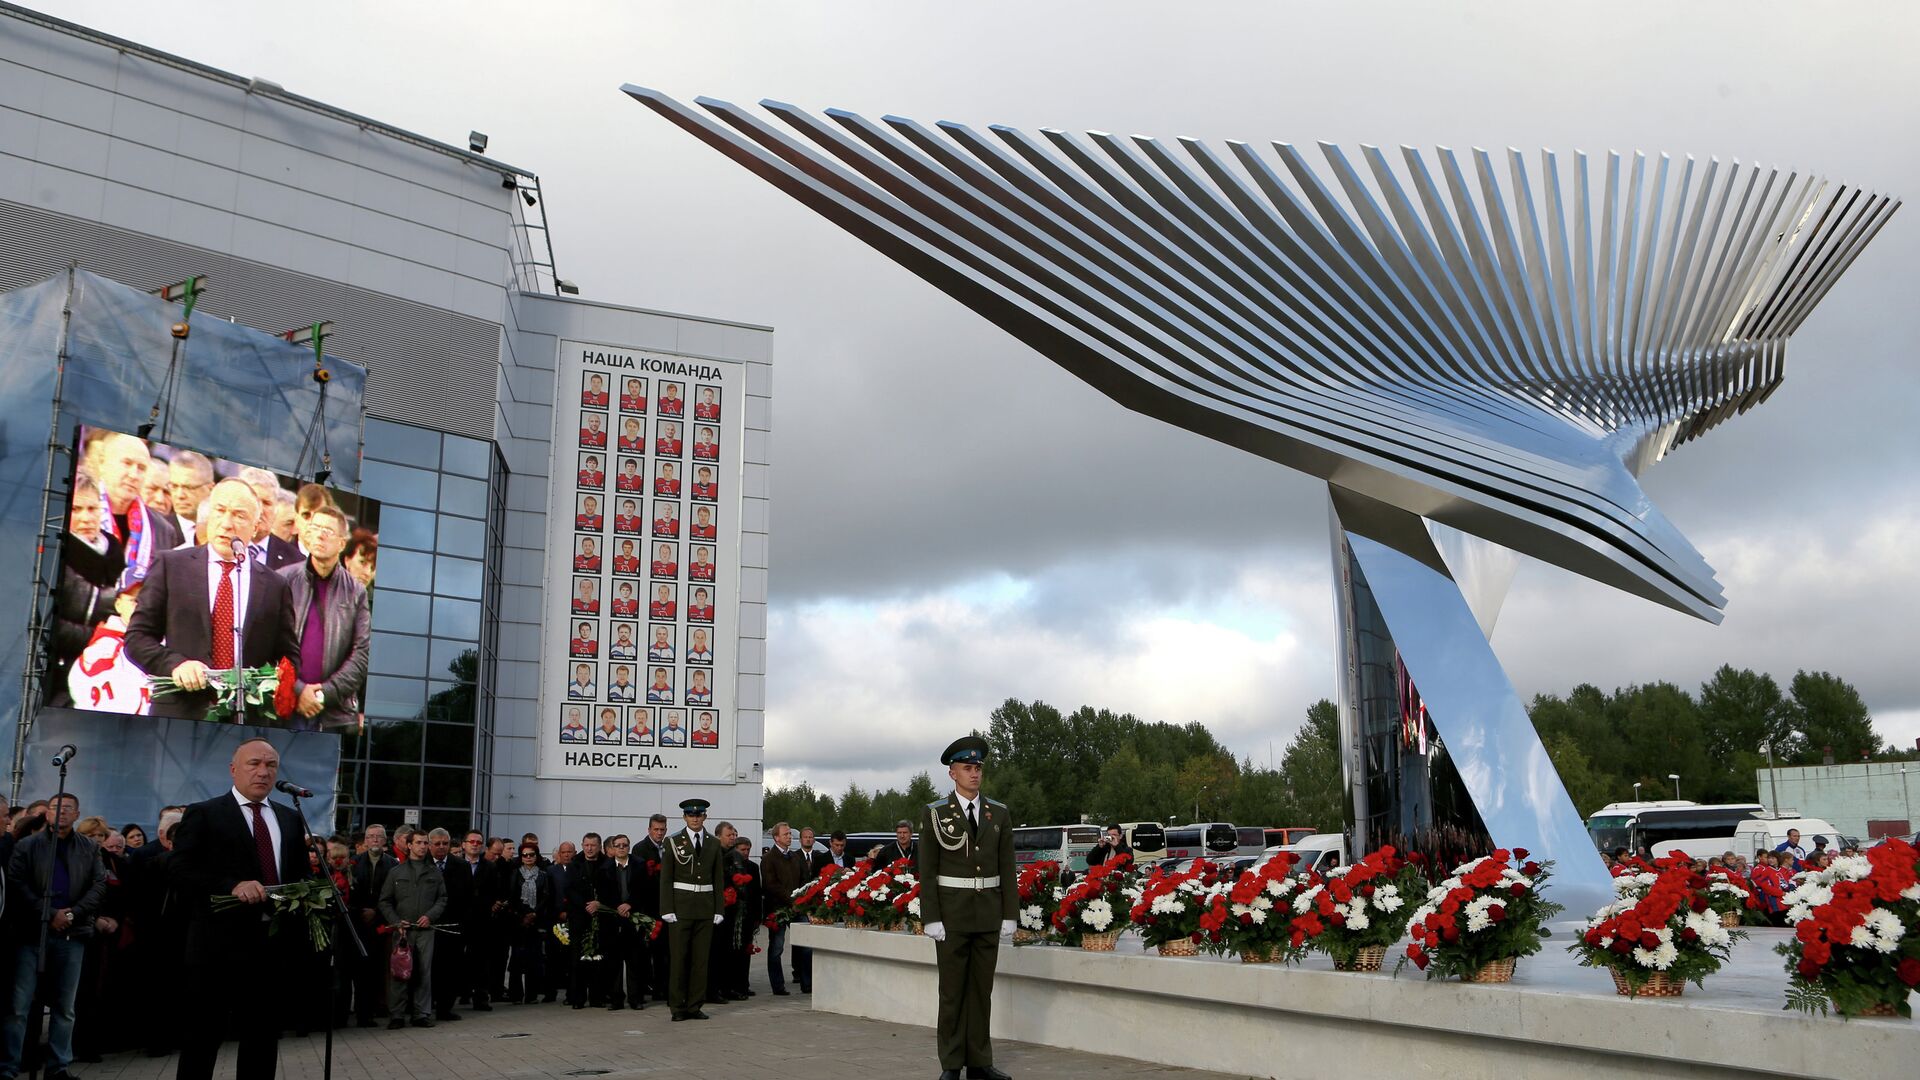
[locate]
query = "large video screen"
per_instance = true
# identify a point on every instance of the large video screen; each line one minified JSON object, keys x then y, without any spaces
{"x":196,"y":587}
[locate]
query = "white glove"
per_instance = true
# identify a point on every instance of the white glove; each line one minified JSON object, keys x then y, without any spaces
{"x":935,"y":930}
{"x":669,"y":917}
{"x":1006,"y":927}
{"x":718,"y":919}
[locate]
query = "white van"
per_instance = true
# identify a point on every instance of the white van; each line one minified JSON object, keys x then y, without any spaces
{"x":1320,"y":852}
{"x":1765,"y":834}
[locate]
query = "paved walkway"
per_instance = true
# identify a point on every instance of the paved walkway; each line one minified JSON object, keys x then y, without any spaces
{"x":766,"y":1036}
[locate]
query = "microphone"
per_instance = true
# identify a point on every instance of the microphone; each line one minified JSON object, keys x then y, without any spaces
{"x":288,"y":787}
{"x":65,"y":755}
{"x":239,"y":549}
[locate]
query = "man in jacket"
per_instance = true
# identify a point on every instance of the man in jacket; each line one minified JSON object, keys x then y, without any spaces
{"x":450,"y":951}
{"x":584,"y":909}
{"x":64,"y":869}
{"x":690,"y":895}
{"x":651,"y":853}
{"x":783,"y":869}
{"x":414,"y":897}
{"x":331,"y":613}
{"x":369,"y":876}
{"x":628,"y":948}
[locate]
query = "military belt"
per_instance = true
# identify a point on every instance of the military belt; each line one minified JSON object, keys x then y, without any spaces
{"x":975,"y":883}
{"x":688,"y":886}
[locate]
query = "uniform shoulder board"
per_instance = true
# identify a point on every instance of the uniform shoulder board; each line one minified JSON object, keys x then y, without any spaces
{"x":994,"y":802}
{"x":936,"y":804}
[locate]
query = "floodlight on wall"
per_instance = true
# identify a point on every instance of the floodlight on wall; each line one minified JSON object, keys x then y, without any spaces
{"x":477,"y":142}
{"x":507,"y":181}
{"x":567,"y":288}
{"x":528,"y":195}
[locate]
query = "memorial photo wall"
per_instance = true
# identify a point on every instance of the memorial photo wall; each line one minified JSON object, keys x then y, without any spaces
{"x":643,"y":571}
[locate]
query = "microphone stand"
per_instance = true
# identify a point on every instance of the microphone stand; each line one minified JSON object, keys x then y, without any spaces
{"x":243,"y":565}
{"x":343,"y":923}
{"x":46,"y":913}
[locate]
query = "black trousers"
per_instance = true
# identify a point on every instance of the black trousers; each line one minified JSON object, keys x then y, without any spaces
{"x":449,"y":970}
{"x":629,"y":963}
{"x":587,"y":983}
{"x":661,"y":950}
{"x":214,"y":1010}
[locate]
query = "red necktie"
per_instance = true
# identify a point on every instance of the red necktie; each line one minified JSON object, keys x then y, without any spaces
{"x":223,"y":632}
{"x":262,"y":839}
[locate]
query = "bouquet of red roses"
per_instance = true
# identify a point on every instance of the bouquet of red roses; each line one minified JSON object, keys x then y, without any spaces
{"x":240,"y":692}
{"x":1485,"y":915}
{"x":1856,"y":934}
{"x":1096,"y":903}
{"x":1170,"y":904}
{"x":1038,"y":885}
{"x":1261,"y":909}
{"x":1660,"y":934}
{"x":872,"y":898}
{"x":1354,"y":913}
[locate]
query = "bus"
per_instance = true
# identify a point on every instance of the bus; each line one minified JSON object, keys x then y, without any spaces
{"x":1067,"y":845}
{"x":1146,"y":838}
{"x":1667,"y":825}
{"x":1290,"y":835}
{"x":1212,"y":840}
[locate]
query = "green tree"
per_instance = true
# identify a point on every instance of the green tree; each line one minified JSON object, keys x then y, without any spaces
{"x":1826,"y":712}
{"x":1741,"y":711}
{"x":1311,"y":770}
{"x":1205,"y":785}
{"x":1130,"y":789}
{"x":1589,"y":790}
{"x":856,"y":810}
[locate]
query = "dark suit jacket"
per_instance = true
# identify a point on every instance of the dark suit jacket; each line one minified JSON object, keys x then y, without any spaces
{"x":282,"y":553}
{"x":636,"y":881}
{"x":214,"y":851}
{"x":460,"y":886}
{"x":345,"y":630}
{"x":646,"y":851}
{"x":367,"y":878}
{"x":174,"y":624}
{"x":891,"y":851}
{"x":584,"y":879}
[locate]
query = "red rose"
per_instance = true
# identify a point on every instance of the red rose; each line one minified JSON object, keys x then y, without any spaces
{"x":1520,"y":853}
{"x":1699,"y":903}
{"x":1497,"y":912}
{"x":1622,"y":946}
{"x":1518,"y":889}
{"x":1808,"y":969}
{"x":1649,"y":940}
{"x":1531,"y":869}
{"x":284,"y":698}
{"x":1909,"y":971}
{"x":1689,"y":935}
{"x":1418,"y":956}
{"x":1450,"y":933}
{"x":731,"y":896}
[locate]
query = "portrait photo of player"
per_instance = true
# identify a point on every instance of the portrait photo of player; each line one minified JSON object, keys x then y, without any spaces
{"x":666,"y":443}
{"x":593,"y":431}
{"x":624,"y":646}
{"x":625,"y":604}
{"x":665,"y":602}
{"x":586,"y":513}
{"x":705,"y":446}
{"x":633,"y":394}
{"x":626,"y":561}
{"x":673,"y":727}
{"x":586,"y":555}
{"x":666,"y":480}
{"x":704,"y":733}
{"x":573,"y":725}
{"x":628,"y":520}
{"x":660,"y":690}
{"x":673,"y":399}
{"x":585,"y":641}
{"x":591,"y":474}
{"x":703,"y":526}
{"x":622,"y":687}
{"x":700,"y":608}
{"x":701,"y":569}
{"x":704,"y":488}
{"x":707,"y":405}
{"x":630,"y":478}
{"x":583,"y":688}
{"x":698,"y":650}
{"x":586,"y":596}
{"x":593,"y":390}
{"x":633,"y":438}
{"x":608,"y":733}
{"x":640,"y":726}
{"x":666,"y":519}
{"x":660,"y":643}
{"x":698,"y":690}
{"x":666,"y":561}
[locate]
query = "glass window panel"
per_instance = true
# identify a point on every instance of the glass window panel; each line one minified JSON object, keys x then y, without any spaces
{"x":455,"y":659}
{"x":398,"y":484}
{"x":387,"y":441}
{"x":456,"y":619}
{"x":456,"y":577}
{"x":397,"y":654}
{"x":448,"y":787}
{"x":451,"y":705}
{"x":468,"y":457}
{"x":406,"y":612}
{"x":405,"y":528}
{"x":347,"y":785}
{"x":394,"y":740}
{"x":391,"y":697}
{"x":449,"y":745}
{"x":394,"y":784}
{"x":459,"y":495}
{"x":462,"y":536}
{"x":411,"y":570}
{"x":454,"y":821}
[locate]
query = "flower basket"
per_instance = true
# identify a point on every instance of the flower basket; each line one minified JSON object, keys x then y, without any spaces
{"x":1261,"y":915}
{"x":1365,"y":958}
{"x":1179,"y":947}
{"x":856,"y":924}
{"x":1096,"y":905}
{"x":1484,"y":915}
{"x":913,"y":926}
{"x":1855,"y":925}
{"x":1359,"y":907}
{"x":1658,"y":985}
{"x":1038,"y":885}
{"x":885,"y":898}
{"x":1100,"y":942}
{"x":1264,"y":952}
{"x":1494,"y":971}
{"x":1175,"y":911}
{"x":1027,"y":937}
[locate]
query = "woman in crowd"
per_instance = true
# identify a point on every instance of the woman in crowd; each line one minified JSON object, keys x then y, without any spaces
{"x":102,"y":978}
{"x":530,"y":914}
{"x":135,"y":836}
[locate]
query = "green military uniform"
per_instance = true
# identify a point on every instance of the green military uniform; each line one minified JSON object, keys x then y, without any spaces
{"x":967,"y":885}
{"x":690,"y":890}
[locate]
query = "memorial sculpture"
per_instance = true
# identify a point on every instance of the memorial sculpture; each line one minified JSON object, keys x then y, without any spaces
{"x":1475,"y":368}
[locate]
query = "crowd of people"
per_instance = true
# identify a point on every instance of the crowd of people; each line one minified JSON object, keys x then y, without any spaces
{"x":485,"y":920}
{"x":1767,"y":874}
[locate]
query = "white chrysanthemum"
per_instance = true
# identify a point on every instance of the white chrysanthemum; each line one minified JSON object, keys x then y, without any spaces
{"x":1261,"y":903}
{"x":1097,"y":914}
{"x":1259,"y":916}
{"x":1278,"y":886}
{"x":1851,"y":868}
{"x":1031,"y":918}
{"x":1911,"y":892}
{"x":1476,"y":913}
{"x":1880,"y":931}
{"x":1166,"y":904}
{"x":1664,"y":956}
{"x":913,"y":907}
{"x":1388,"y":901}
{"x":1304,"y":902}
{"x":1359,"y":921}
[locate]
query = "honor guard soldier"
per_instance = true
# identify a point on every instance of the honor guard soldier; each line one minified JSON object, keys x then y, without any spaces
{"x":968,"y":900}
{"x":690,"y":893}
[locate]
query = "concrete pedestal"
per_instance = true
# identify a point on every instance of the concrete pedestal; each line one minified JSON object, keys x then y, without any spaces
{"x":1556,"y":1019}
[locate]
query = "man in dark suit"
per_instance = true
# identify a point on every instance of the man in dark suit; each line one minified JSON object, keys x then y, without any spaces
{"x":627,"y":947}
{"x":239,"y":844}
{"x":369,"y":876}
{"x":450,"y":950}
{"x":559,"y":968}
{"x":783,"y":869}
{"x":198,"y":600}
{"x":334,"y":633}
{"x":587,"y":906}
{"x":901,"y":847}
{"x":651,"y":853}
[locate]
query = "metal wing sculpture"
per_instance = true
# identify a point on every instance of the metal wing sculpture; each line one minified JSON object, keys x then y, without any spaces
{"x":1502,"y":360}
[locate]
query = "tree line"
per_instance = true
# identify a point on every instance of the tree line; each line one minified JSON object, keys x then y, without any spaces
{"x":1095,"y":765}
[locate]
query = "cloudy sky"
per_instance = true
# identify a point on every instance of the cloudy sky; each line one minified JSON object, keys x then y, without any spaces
{"x":958,"y":522}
